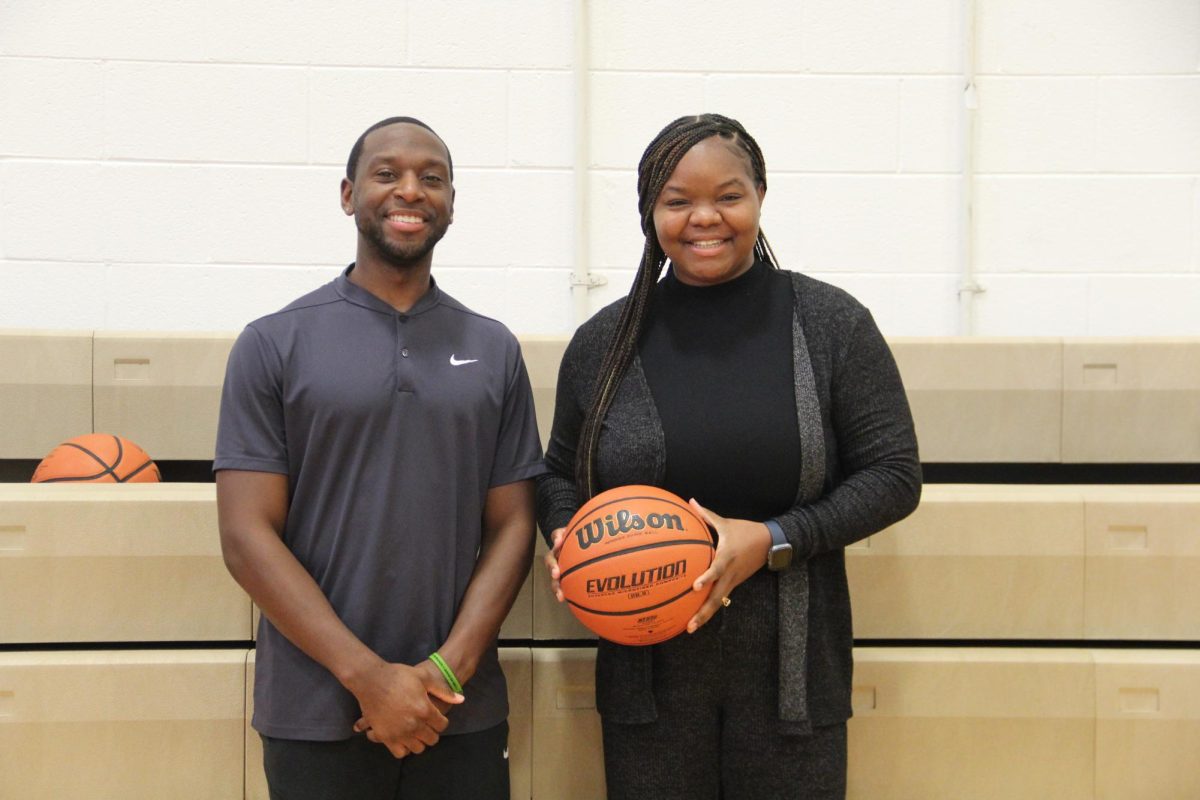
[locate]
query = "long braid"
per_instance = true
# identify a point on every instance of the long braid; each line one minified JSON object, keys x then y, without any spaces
{"x":657,"y":164}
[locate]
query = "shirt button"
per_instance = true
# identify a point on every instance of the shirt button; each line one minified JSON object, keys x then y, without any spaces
{"x":404,"y":352}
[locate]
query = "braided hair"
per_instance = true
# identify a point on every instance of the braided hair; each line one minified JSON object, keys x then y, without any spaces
{"x":658,"y":162}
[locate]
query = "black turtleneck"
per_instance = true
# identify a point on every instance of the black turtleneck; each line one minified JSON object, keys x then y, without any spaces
{"x":718,"y":360}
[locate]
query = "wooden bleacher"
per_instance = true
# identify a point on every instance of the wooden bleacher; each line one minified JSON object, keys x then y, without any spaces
{"x":1018,"y":640}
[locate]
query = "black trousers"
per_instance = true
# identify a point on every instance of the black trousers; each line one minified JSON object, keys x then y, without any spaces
{"x":470,"y":766}
{"x":716,"y":735}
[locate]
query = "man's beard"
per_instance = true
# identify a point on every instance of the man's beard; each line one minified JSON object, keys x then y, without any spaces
{"x":401,"y":255}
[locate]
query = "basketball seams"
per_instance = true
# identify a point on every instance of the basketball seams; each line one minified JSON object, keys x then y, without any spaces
{"x":74,"y":460}
{"x":598,"y":511}
{"x":632,"y":611}
{"x":627,"y":499}
{"x":83,"y":479}
{"x":148,"y":463}
{"x":120,"y":454}
{"x":108,"y":470}
{"x":636,"y":548}
{"x":625,"y":562}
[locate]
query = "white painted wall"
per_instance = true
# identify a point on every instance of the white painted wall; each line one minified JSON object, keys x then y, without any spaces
{"x":175,"y":165}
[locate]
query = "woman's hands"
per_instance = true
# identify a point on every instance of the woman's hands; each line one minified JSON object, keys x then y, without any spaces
{"x":556,"y":541}
{"x":742,"y":549}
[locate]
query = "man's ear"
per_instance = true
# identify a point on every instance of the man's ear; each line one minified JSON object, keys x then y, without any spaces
{"x":347,"y":197}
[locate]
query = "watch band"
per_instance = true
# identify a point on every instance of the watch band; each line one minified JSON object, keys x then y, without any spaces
{"x":777,"y":535}
{"x":779,"y":557}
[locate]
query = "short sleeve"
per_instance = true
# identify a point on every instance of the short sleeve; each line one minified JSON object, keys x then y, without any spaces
{"x":518,"y":448}
{"x":250,"y":431}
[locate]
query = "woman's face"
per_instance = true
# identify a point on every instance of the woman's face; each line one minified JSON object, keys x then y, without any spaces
{"x":706,"y":217}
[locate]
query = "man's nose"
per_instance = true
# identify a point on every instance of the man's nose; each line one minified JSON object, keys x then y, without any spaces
{"x":408,"y":187}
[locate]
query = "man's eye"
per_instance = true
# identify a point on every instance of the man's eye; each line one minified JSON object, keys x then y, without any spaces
{"x":731,"y":198}
{"x":386,"y":174}
{"x":434,"y":179}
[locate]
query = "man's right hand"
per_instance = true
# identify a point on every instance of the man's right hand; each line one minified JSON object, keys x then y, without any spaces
{"x":400,"y":705}
{"x":556,"y":542}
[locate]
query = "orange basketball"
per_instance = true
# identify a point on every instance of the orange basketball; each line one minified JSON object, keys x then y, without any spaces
{"x":628,"y":563}
{"x":97,"y":458}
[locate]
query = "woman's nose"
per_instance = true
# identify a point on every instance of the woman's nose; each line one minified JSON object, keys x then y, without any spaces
{"x":705,"y":214}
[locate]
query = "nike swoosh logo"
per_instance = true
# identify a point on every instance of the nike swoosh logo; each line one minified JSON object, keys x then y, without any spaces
{"x":454,"y":362}
{"x":506,"y":753}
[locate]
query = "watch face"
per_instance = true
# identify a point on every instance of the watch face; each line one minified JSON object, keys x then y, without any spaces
{"x":779,"y":557}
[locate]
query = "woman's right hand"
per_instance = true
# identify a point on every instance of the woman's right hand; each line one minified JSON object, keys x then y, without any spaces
{"x":556,"y":541}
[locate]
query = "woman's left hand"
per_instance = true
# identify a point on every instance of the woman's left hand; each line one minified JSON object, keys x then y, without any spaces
{"x":741,"y":551}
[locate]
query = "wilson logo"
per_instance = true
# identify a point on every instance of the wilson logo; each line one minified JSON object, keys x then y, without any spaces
{"x":623,"y":522}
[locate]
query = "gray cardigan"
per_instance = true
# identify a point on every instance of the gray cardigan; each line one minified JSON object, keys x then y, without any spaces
{"x":859,"y":473}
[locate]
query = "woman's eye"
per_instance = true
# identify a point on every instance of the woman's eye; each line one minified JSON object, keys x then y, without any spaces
{"x":731,"y":198}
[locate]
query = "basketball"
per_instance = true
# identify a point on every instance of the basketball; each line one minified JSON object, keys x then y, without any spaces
{"x":628,"y":562}
{"x":97,"y":458}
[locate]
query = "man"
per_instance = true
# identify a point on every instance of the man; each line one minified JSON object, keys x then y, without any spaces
{"x":374,"y":461}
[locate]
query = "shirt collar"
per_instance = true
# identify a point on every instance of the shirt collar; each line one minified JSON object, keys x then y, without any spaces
{"x":353,"y":293}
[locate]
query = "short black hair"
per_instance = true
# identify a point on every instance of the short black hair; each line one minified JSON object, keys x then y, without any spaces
{"x":356,"y":151}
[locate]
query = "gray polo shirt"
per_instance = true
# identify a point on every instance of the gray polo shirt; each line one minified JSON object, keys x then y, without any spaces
{"x":391,"y":429}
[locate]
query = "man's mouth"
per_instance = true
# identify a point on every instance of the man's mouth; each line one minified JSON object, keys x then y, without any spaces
{"x":405,"y":221}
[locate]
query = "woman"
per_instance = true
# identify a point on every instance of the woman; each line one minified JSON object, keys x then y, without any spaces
{"x":772,"y":399}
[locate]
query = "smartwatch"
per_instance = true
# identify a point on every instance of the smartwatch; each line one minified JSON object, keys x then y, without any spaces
{"x":779,"y":557}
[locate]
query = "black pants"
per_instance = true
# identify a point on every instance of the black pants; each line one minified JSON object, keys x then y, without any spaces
{"x":717,"y":732}
{"x":470,"y":766}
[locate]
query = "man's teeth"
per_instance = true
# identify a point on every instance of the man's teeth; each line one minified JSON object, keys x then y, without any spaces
{"x":404,"y":218}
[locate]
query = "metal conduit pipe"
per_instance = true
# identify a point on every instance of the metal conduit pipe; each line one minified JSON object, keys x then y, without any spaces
{"x":582,"y":280}
{"x":968,"y":284}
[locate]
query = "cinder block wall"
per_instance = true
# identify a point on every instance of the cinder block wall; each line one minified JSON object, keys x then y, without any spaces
{"x":175,"y":166}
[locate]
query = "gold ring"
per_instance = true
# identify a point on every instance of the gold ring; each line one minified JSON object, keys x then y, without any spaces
{"x":725,"y":601}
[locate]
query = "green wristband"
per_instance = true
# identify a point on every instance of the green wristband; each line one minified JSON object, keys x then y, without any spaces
{"x":447,"y":673}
